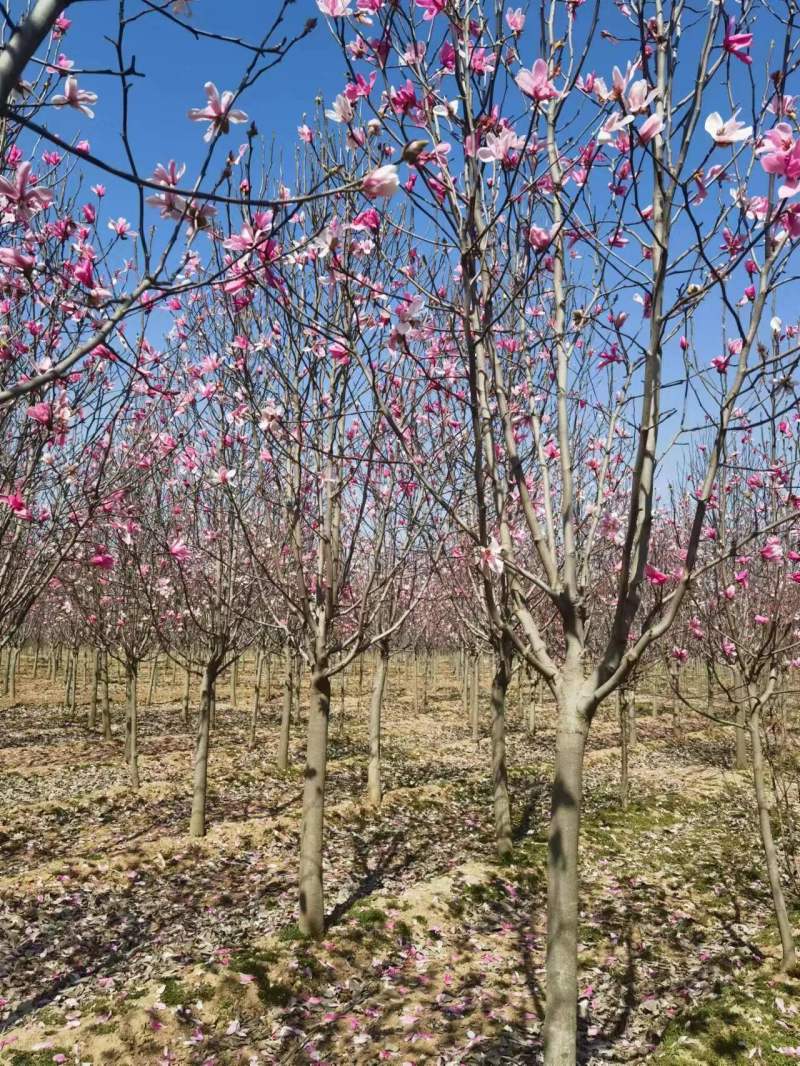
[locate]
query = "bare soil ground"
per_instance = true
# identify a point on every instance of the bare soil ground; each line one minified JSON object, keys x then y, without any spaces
{"x":123,"y":941}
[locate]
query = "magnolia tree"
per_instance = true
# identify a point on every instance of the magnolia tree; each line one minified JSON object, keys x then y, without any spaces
{"x":577,"y":227}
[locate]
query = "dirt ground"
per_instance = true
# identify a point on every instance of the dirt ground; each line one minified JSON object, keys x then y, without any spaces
{"x":123,"y":941}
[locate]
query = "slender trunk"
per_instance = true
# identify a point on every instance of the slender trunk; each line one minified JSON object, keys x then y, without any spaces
{"x":13,"y":654}
{"x":132,"y":724}
{"x":475,"y":714}
{"x":153,"y":675}
{"x":741,"y":737}
{"x":286,"y":713}
{"x":36,"y":660}
{"x":312,"y":912}
{"x":561,"y":1015}
{"x":623,"y":702}
{"x":502,"y":805}
{"x":197,"y":823}
{"x":374,"y":790}
{"x":256,"y":697}
{"x":105,"y":702}
{"x":533,"y":700}
{"x":465,"y":686}
{"x":93,"y":691}
{"x":187,"y":686}
{"x":415,"y":674}
{"x":235,"y":684}
{"x":710,"y":688}
{"x":789,"y":955}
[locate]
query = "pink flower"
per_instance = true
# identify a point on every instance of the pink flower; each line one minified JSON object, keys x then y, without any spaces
{"x":14,"y":259}
{"x":772,"y":552}
{"x":651,"y":126}
{"x":23,"y":195}
{"x":219,"y":112}
{"x":102,"y":560}
{"x":41,"y":413}
{"x":381,"y":182}
{"x":121,"y":227}
{"x":539,"y":238}
{"x":17,"y":506}
{"x":729,"y":648}
{"x":492,"y":557}
{"x":432,"y":8}
{"x":75,"y":97}
{"x":655,"y":576}
{"x":729,"y":132}
{"x":735,"y":43}
{"x":305,"y":133}
{"x":515,"y":19}
{"x":535,"y":82}
{"x":179,"y":550}
{"x":680,"y":654}
{"x":761,"y":619}
{"x":335,"y":9}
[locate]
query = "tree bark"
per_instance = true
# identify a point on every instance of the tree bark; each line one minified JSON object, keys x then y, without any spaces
{"x":374,"y":789}
{"x":561,"y":1015}
{"x":256,"y":697}
{"x":286,"y":712}
{"x":312,"y":912}
{"x":197,"y":823}
{"x":132,"y":724}
{"x":502,"y":804}
{"x":741,"y":737}
{"x":789,"y":955}
{"x":94,"y":686}
{"x":624,"y":700}
{"x":105,"y":702}
{"x":475,"y":710}
{"x":152,"y":687}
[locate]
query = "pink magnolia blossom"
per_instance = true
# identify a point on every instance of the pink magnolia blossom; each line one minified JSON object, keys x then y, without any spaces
{"x":735,"y":43}
{"x":335,"y":9}
{"x":179,"y":550}
{"x":681,"y":655}
{"x":492,"y":558}
{"x":75,"y":97}
{"x":729,"y":132}
{"x":772,"y":552}
{"x":651,"y":127}
{"x":41,"y":413}
{"x":17,"y":506}
{"x":23,"y":197}
{"x":655,"y":576}
{"x":515,"y":19}
{"x":432,"y":8}
{"x":219,"y":112}
{"x":15,"y":259}
{"x":102,"y":560}
{"x":381,"y":182}
{"x":122,"y":228}
{"x":535,"y":82}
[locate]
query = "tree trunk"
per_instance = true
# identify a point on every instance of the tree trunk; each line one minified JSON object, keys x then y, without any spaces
{"x":561,"y":1015}
{"x":374,"y":790}
{"x":475,"y":714}
{"x":132,"y":724}
{"x":235,"y":684}
{"x":13,"y":657}
{"x":105,"y":702}
{"x":197,"y":823}
{"x":153,"y":675}
{"x":623,"y":702}
{"x":312,"y":912}
{"x":93,"y":691}
{"x":534,"y":686}
{"x":741,"y":737}
{"x":256,"y":697}
{"x":35,"y":660}
{"x":502,"y":805}
{"x":789,"y":957}
{"x":286,"y":712}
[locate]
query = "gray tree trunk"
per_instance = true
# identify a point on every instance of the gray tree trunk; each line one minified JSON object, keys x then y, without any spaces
{"x":374,"y":788}
{"x":132,"y":724}
{"x":789,"y":955}
{"x":95,"y":681}
{"x":286,"y":712}
{"x":561,"y":1015}
{"x":475,"y":693}
{"x":105,"y":702}
{"x":741,"y":737}
{"x":197,"y":823}
{"x":502,"y":804}
{"x":312,"y":909}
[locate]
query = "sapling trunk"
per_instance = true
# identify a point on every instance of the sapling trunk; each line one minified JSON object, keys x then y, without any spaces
{"x":95,"y":681}
{"x":36,"y":660}
{"x":475,"y":713}
{"x":12,"y":684}
{"x":502,"y":805}
{"x":374,"y":787}
{"x":741,"y":736}
{"x":187,"y":688}
{"x":561,"y":1015}
{"x":312,"y":913}
{"x":153,"y":676}
{"x":286,"y":713}
{"x":105,"y":702}
{"x":256,"y":698}
{"x":789,"y":954}
{"x":197,"y":823}
{"x":235,"y":684}
{"x":623,"y":703}
{"x":132,"y":723}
